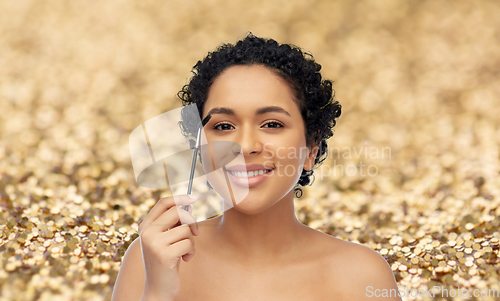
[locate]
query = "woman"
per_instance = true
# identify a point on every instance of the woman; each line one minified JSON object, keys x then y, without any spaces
{"x":271,"y":100}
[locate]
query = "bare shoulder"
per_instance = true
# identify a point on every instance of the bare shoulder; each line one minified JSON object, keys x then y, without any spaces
{"x":357,"y":272}
{"x":129,"y":283}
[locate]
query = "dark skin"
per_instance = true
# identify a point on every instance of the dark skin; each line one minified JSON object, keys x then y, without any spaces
{"x":258,"y":250}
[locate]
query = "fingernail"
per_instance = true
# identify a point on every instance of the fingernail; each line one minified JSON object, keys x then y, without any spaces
{"x":193,"y":197}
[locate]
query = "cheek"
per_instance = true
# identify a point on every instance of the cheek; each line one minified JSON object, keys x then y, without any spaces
{"x":288,"y":157}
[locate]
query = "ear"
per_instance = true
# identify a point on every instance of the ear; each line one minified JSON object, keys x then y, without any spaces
{"x":313,"y":152}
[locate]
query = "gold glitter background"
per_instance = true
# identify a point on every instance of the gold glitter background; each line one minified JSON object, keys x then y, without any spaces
{"x":420,"y":78}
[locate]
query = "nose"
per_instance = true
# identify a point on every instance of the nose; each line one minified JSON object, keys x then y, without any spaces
{"x":248,"y":142}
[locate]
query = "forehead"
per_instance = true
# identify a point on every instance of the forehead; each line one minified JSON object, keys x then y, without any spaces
{"x":249,"y":87}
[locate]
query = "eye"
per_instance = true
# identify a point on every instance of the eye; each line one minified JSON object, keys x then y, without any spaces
{"x":275,"y":123}
{"x":217,"y":126}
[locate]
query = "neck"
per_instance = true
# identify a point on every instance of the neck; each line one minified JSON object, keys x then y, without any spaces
{"x":261,"y":238}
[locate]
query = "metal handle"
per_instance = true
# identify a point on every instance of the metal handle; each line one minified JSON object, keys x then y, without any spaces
{"x":193,"y":165}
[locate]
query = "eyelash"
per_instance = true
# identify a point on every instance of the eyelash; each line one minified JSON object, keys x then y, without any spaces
{"x":224,"y":123}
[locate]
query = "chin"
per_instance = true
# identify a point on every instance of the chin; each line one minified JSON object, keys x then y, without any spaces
{"x":250,"y":211}
{"x":252,"y":206}
{"x":256,"y":205}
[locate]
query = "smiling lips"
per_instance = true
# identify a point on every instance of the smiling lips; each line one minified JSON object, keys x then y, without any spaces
{"x":249,"y":175}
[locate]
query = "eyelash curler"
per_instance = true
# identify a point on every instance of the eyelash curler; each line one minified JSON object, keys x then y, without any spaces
{"x":193,"y":164}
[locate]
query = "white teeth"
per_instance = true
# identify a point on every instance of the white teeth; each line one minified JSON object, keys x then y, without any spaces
{"x":249,"y":174}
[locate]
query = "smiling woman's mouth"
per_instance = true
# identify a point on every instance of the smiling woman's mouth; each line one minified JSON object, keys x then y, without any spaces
{"x":249,"y":179}
{"x":250,"y":174}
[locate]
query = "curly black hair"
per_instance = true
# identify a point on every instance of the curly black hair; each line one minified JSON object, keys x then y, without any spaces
{"x":314,"y":95}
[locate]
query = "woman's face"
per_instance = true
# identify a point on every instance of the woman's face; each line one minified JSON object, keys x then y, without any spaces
{"x":255,"y":108}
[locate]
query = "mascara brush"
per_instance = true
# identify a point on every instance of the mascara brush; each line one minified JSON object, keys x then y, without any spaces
{"x":193,"y":163}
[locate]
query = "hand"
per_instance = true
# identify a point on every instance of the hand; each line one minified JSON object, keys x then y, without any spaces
{"x":164,"y":240}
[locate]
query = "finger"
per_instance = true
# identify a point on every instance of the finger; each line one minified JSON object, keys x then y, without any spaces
{"x":163,"y":205}
{"x":187,"y":257}
{"x":184,"y":222}
{"x":179,"y":233}
{"x":194,"y":225}
{"x":182,"y":248}
{"x":186,"y":218}
{"x":171,"y":219}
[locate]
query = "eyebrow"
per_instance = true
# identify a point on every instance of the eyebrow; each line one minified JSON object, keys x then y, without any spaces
{"x":260,"y":111}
